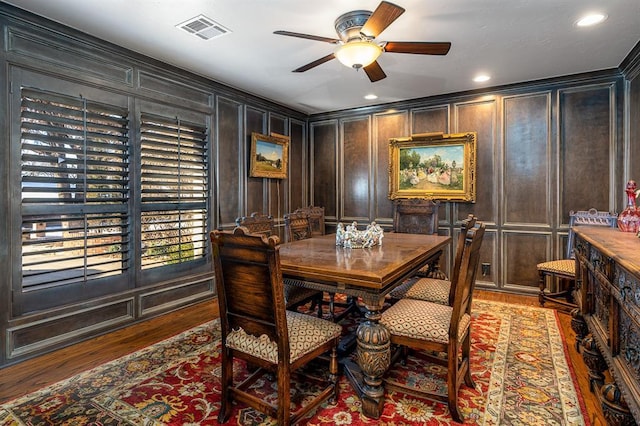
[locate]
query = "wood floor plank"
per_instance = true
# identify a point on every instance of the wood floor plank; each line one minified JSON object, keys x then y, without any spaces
{"x":36,"y":373}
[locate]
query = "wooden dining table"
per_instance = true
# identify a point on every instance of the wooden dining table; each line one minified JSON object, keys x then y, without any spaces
{"x":368,"y":273}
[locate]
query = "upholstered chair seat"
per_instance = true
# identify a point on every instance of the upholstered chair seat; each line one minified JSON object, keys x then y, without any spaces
{"x":306,"y":333}
{"x":562,"y":266}
{"x":418,"y":319}
{"x":429,"y":289}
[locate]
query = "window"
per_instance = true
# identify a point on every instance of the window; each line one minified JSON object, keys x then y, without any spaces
{"x":75,"y":189}
{"x":174,"y":191}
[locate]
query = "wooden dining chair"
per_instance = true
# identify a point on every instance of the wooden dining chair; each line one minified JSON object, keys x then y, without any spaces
{"x":297,"y":227}
{"x":316,"y":219}
{"x":258,"y":223}
{"x":563,"y":271}
{"x":434,"y":289}
{"x":436,"y":329}
{"x":316,"y":222}
{"x":419,"y":216}
{"x":257,"y":328}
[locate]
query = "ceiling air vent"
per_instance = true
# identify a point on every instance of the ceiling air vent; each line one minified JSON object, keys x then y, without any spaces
{"x":203,"y":27}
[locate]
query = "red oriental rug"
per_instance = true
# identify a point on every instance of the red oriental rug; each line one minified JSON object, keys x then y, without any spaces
{"x":521,"y":371}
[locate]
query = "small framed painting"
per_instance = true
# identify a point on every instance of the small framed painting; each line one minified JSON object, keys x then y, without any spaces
{"x":435,"y":166}
{"x":269,"y":156}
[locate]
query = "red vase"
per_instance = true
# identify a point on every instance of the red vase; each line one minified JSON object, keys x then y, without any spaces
{"x":629,"y":219}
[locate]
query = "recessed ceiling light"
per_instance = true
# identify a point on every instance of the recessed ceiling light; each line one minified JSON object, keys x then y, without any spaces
{"x":480,"y":78}
{"x":591,"y":19}
{"x":371,"y":97}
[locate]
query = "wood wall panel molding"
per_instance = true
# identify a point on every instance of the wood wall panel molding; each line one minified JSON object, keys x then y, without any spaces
{"x":256,"y":194}
{"x":298,"y":165}
{"x":481,"y":117}
{"x":527,"y":167}
{"x":630,"y":66}
{"x":324,"y":167}
{"x":356,"y":170}
{"x":33,"y":337}
{"x":230,"y":161}
{"x":66,"y":54}
{"x":431,"y":119}
{"x":278,"y":189}
{"x":521,"y":252}
{"x":385,"y":127}
{"x":586,"y":149}
{"x":175,"y":296}
{"x":489,"y":254}
{"x":164,"y":87}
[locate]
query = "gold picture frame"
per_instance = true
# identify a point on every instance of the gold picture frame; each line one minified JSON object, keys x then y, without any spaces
{"x":434,"y":166}
{"x":269,"y":156}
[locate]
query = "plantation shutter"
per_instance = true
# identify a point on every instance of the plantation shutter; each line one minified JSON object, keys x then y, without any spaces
{"x":174,"y":190}
{"x":75,"y":189}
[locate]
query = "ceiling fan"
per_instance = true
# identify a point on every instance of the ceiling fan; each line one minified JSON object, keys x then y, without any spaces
{"x":357,"y":47}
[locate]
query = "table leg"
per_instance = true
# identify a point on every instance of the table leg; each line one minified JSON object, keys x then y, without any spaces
{"x":373,"y":359}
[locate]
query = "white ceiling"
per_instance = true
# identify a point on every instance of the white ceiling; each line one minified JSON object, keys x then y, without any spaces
{"x":512,"y":40}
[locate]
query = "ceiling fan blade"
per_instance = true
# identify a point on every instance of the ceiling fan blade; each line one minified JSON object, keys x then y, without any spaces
{"x":381,"y":18}
{"x":307,"y":36}
{"x":315,"y":63}
{"x":374,"y":72}
{"x":418,"y":47}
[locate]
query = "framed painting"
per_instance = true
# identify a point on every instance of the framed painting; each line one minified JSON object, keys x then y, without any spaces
{"x":269,"y":156}
{"x":435,"y":166}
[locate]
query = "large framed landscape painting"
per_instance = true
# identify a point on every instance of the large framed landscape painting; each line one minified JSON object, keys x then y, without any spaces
{"x":269,"y":156}
{"x":434,"y":166}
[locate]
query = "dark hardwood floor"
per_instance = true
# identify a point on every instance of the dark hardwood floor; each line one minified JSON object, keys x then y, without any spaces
{"x":33,"y":374}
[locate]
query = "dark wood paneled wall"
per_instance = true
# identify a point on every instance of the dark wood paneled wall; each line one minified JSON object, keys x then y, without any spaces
{"x":40,"y":53}
{"x":324,"y":167}
{"x":544,"y":148}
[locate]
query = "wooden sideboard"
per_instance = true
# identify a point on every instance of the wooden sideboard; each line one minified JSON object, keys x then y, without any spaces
{"x":607,"y":320}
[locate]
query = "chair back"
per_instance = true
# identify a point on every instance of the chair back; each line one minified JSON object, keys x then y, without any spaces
{"x":249,"y":285}
{"x":466,"y":276}
{"x":415,"y":216}
{"x":297,"y":226}
{"x":466,"y":224}
{"x":316,"y":218}
{"x":257,"y":223}
{"x":590,"y":217}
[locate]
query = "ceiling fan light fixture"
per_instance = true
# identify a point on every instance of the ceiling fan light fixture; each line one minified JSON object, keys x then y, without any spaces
{"x":358,"y":54}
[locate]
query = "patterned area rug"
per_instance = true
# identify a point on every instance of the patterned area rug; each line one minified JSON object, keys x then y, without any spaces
{"x":518,"y":363}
